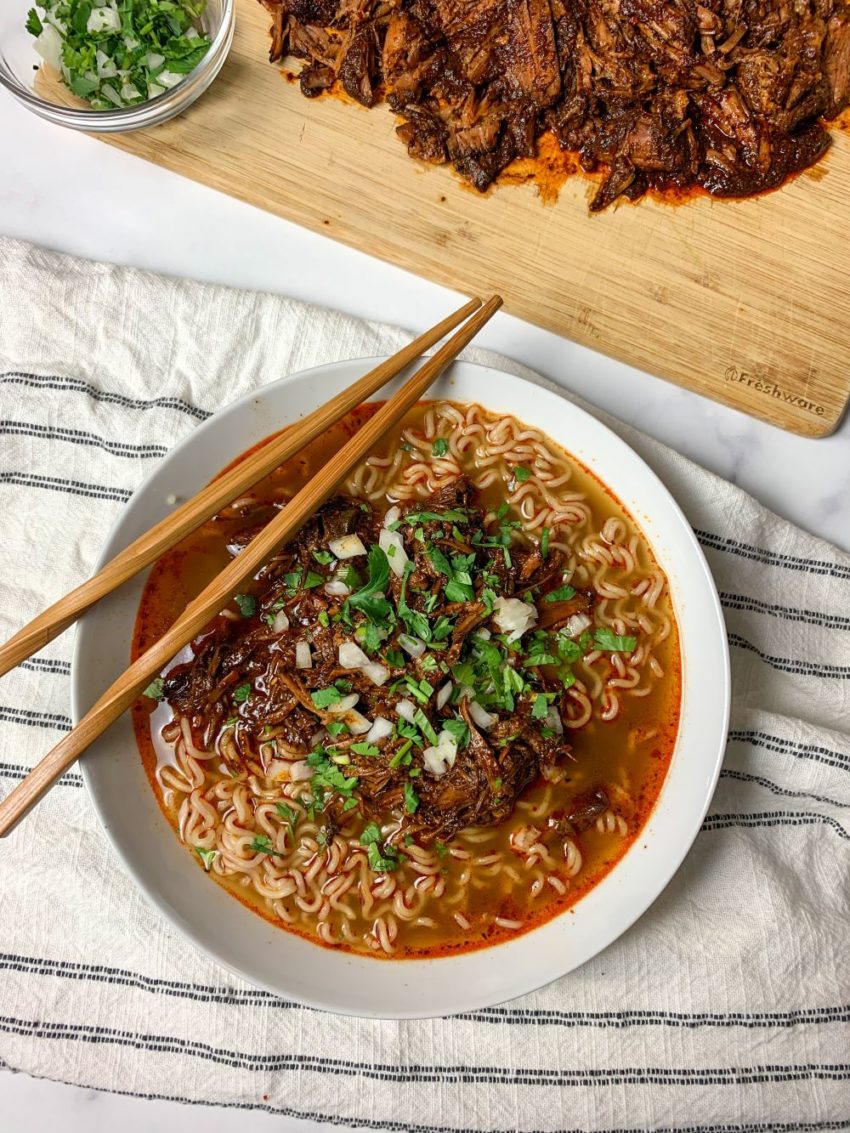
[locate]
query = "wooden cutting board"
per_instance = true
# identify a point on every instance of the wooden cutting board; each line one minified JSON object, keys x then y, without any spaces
{"x":747,"y":302}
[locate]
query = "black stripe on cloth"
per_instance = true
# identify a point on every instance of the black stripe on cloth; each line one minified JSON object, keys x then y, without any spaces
{"x":422,"y":1074}
{"x":34,"y":719}
{"x":19,"y":771}
{"x":235,"y":997}
{"x":771,"y":558}
{"x":76,"y":385}
{"x":71,"y":487}
{"x":745,"y":777}
{"x":786,"y":613}
{"x":46,"y":665}
{"x":790,"y":664}
{"x":79,"y":437}
{"x":406,"y":1127}
{"x":789,"y":747}
{"x":770,"y":818}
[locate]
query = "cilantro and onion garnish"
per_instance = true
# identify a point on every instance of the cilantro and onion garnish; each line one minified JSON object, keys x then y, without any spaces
{"x":116,"y":53}
{"x":417,"y":693}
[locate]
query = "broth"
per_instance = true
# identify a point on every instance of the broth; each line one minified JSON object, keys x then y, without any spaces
{"x":570,"y":824}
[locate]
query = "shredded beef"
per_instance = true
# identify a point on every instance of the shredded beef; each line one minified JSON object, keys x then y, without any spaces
{"x":727,"y":94}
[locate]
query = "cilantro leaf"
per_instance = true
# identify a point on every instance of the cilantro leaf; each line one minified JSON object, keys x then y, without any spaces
{"x":376,"y":609}
{"x":411,"y":799}
{"x":247,"y":604}
{"x":242,"y":692}
{"x":521,"y":474}
{"x":604,"y":638}
{"x":33,"y":25}
{"x":206,"y":856}
{"x":440,"y":447}
{"x":540,"y":707}
{"x":562,"y":594}
{"x":155,"y":690}
{"x":323,"y":697}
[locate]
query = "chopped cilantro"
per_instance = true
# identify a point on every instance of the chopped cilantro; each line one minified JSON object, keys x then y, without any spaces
{"x":288,"y":814}
{"x":376,"y":609}
{"x":411,"y":799}
{"x":155,"y":690}
{"x":544,"y":542}
{"x":323,"y":557}
{"x":336,"y":728}
{"x":453,"y":515}
{"x":424,"y":725}
{"x":416,"y":623}
{"x":206,"y":856}
{"x":440,"y":447}
{"x":562,"y":594}
{"x":604,"y":638}
{"x":242,"y":692}
{"x":33,"y":25}
{"x":262,"y":844}
{"x":371,"y":839}
{"x":540,"y":707}
{"x":324,"y":697}
{"x":313,"y":580}
{"x":458,"y":730}
{"x":521,"y":474}
{"x":365,"y":749}
{"x":247,"y":604}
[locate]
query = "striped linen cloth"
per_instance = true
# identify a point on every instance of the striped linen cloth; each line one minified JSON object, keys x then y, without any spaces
{"x":726,"y":1008}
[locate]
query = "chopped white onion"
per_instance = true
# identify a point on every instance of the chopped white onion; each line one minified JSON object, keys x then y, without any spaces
{"x":444,"y":694}
{"x":411,"y":645}
{"x":358,"y":725}
{"x":577,"y":624}
{"x":406,"y":709}
{"x":553,"y":720}
{"x":336,"y":588}
{"x":439,"y":759}
{"x":168,"y":78}
{"x":342,"y":706}
{"x":103,"y":19}
{"x":281,"y":622}
{"x":277,"y":769}
{"x":48,"y":44}
{"x":466,"y":693}
{"x":303,"y":656}
{"x":109,"y":91}
{"x":191,"y":33}
{"x":381,"y":730}
{"x":299,"y":772}
{"x":153,"y":60}
{"x":317,"y":737}
{"x":514,"y":617}
{"x":392,"y":545}
{"x":351,"y":656}
{"x":154,"y":89}
{"x":129,"y":91}
{"x":392,"y":515}
{"x":106,"y":68}
{"x":484,"y":634}
{"x":347,"y":547}
{"x":481,"y":716}
{"x":377,"y":673}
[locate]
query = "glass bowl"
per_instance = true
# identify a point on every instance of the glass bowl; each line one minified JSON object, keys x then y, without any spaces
{"x":50,"y":98}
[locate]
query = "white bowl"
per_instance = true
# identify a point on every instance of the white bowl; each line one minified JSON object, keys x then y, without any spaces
{"x":358,"y":985}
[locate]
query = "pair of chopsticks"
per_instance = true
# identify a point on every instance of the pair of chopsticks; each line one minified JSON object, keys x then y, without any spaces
{"x":190,"y":515}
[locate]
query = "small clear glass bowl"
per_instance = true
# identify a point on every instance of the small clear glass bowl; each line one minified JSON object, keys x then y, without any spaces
{"x":50,"y":98}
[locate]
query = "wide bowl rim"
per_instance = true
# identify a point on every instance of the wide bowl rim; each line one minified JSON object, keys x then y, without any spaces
{"x":471,"y":997}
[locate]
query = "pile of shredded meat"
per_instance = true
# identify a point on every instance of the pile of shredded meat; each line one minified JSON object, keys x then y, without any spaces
{"x":455,"y":703}
{"x":725,"y":94}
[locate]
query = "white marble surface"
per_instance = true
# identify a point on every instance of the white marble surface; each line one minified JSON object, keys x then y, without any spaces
{"x":75,"y":195}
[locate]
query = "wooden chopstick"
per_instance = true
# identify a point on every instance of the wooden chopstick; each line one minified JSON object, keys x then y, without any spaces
{"x":211,"y":499}
{"x":121,"y":694}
